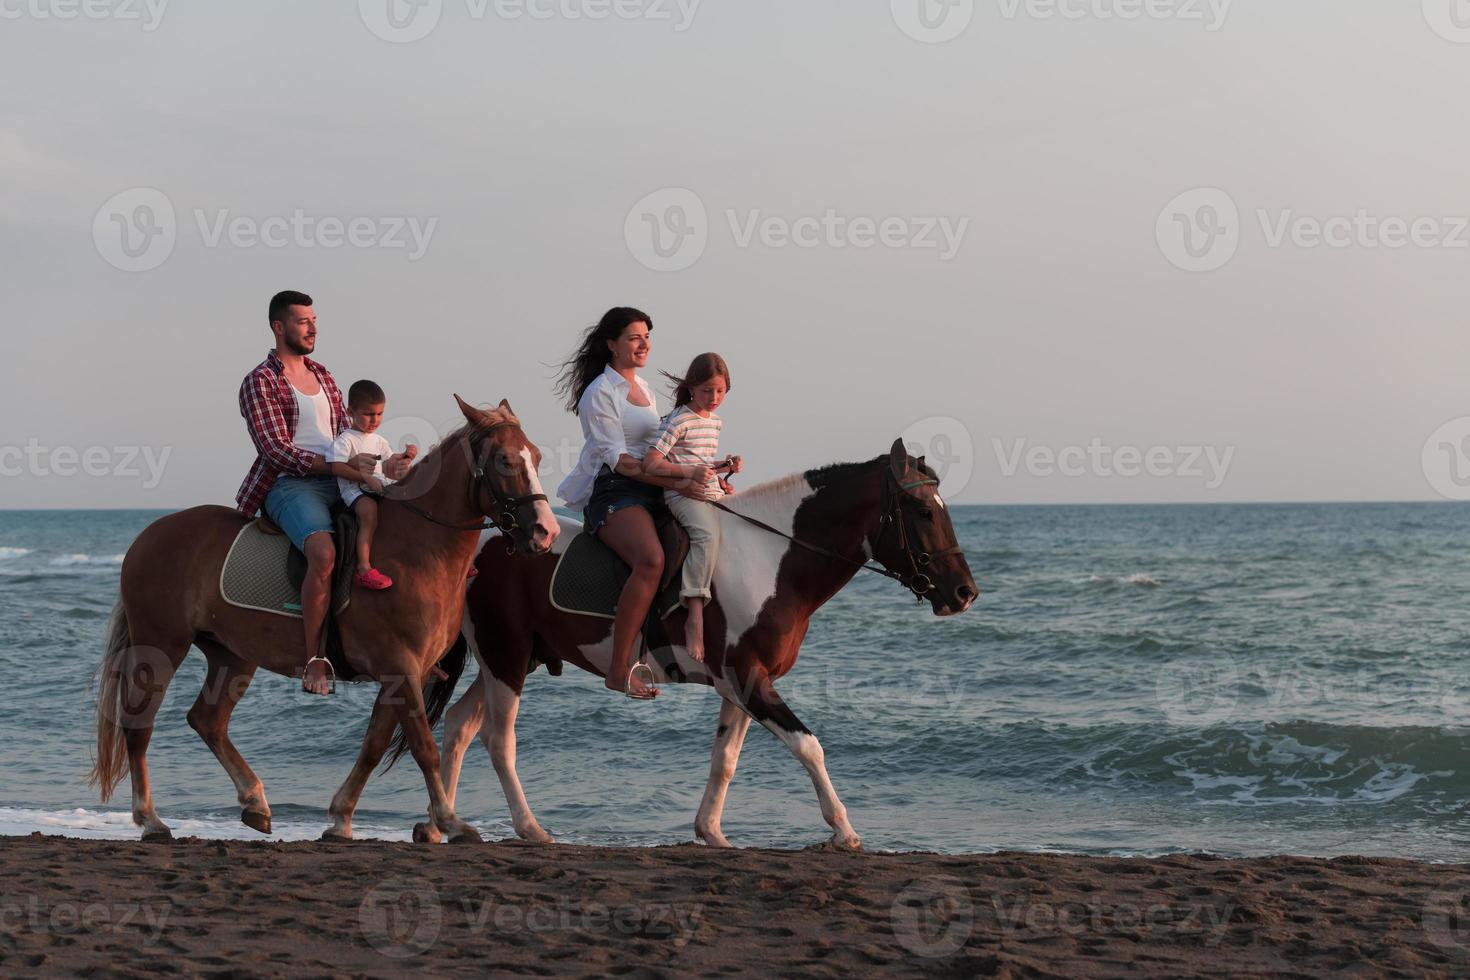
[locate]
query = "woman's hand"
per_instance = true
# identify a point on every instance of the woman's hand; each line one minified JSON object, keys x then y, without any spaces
{"x":700,"y":475}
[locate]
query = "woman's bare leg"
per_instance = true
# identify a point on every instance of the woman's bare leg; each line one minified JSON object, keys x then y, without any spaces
{"x":631,"y":534}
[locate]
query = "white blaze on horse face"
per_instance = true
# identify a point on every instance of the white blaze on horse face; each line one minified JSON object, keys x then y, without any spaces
{"x":546,"y":522}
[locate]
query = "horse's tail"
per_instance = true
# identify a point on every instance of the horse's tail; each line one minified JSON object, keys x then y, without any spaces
{"x":436,"y":697}
{"x":112,"y":753}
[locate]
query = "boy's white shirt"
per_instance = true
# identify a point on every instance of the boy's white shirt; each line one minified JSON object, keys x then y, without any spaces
{"x":351,"y":443}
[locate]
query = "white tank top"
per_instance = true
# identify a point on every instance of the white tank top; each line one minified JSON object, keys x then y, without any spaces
{"x":640,"y":428}
{"x":313,"y":422}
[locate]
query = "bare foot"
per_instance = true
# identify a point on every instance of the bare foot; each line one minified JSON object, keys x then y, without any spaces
{"x":637,"y":690}
{"x":315,"y":680}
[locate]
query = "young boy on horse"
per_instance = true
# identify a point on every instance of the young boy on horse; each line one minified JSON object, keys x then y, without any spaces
{"x":365,"y":404}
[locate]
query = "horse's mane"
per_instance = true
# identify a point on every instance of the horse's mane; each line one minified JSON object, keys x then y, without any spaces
{"x":493,"y":416}
{"x":815,"y":478}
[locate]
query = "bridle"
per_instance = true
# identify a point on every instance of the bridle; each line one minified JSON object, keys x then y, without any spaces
{"x":894,"y":516}
{"x":502,"y":515}
{"x":916,"y":580}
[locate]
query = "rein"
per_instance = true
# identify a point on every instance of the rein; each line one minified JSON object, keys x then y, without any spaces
{"x":479,"y":483}
{"x":918,"y":583}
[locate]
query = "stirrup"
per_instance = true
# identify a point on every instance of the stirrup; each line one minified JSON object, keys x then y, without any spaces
{"x":628,"y":684}
{"x":331,"y":673}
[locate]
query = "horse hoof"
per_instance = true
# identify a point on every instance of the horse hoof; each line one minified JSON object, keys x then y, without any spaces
{"x":425,"y":833}
{"x":537,"y":836}
{"x":257,"y":820}
{"x":332,"y":837}
{"x":467,"y":837}
{"x":157,"y":836}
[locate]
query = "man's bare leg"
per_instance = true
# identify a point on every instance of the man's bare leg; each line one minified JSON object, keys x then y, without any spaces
{"x":316,"y":593}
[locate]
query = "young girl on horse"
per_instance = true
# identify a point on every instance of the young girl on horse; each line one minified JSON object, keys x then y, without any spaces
{"x":688,"y":442}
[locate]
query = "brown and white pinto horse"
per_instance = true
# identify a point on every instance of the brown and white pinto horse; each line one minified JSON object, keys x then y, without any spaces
{"x":428,"y":528}
{"x":766,"y":589}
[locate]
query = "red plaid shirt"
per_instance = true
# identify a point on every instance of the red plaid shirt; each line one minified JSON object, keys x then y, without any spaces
{"x":268,"y":403}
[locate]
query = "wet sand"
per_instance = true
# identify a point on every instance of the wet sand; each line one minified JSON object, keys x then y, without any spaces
{"x":227,"y":908}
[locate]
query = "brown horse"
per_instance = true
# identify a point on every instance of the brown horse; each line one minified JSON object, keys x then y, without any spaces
{"x":787,"y":547}
{"x":428,"y":528}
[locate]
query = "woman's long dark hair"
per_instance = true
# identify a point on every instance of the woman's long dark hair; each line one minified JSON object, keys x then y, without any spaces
{"x":592,"y":357}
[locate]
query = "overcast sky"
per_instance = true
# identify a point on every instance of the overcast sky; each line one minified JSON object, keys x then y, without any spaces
{"x":969,"y":227}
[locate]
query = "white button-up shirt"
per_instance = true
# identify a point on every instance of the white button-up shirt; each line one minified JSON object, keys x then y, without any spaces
{"x":603,"y":411}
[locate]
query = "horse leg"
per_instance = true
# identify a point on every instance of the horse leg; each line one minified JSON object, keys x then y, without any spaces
{"x":149,"y":669}
{"x":461,"y":722}
{"x":502,"y":704}
{"x":224,"y":686}
{"x":413,"y":719}
{"x":379,"y":733}
{"x":729,"y":738}
{"x":765,"y":705}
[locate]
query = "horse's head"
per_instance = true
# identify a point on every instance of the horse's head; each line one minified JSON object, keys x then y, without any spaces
{"x":916,"y":538}
{"x":505,"y":485}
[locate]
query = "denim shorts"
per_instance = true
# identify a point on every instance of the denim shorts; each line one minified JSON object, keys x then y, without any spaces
{"x":302,"y":506}
{"x":612,"y":492}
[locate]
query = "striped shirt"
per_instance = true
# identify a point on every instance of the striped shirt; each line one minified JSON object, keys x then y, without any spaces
{"x":688,"y":439}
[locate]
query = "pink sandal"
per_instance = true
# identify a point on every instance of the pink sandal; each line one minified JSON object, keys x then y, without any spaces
{"x":373,"y":579}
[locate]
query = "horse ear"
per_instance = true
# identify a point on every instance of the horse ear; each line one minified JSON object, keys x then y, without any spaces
{"x":505,"y":404}
{"x":471,"y":414}
{"x":898,"y":458}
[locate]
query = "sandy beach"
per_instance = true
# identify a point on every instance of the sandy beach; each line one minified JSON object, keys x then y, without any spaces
{"x":222,"y":908}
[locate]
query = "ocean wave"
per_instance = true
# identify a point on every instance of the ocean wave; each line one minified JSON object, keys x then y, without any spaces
{"x":118,"y":825}
{"x":1141,"y":579}
{"x":7,"y":553}
{"x":67,"y":561}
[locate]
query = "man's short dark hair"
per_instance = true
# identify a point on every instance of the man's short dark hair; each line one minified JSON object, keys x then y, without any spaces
{"x":280,"y":301}
{"x":365,"y":393}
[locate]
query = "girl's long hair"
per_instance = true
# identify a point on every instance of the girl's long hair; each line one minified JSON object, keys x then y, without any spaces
{"x":592,"y":356}
{"x":701,"y":369}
